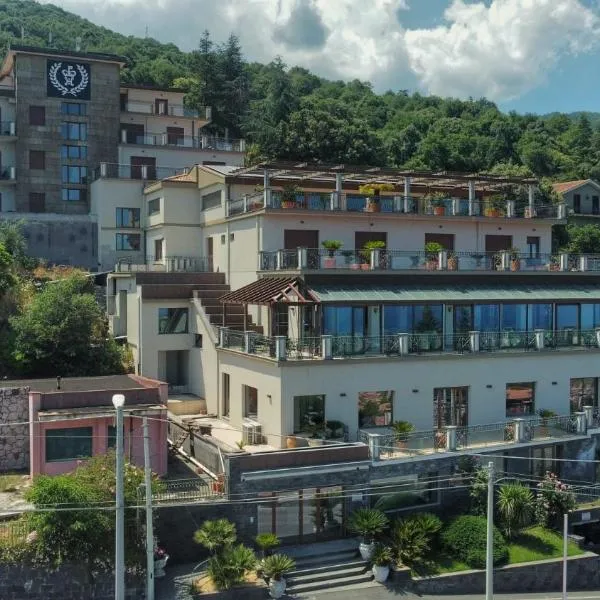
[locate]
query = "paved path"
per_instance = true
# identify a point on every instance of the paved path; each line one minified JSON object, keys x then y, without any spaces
{"x":382,"y":593}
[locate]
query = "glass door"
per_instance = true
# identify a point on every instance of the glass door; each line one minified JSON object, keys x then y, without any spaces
{"x":322,"y":515}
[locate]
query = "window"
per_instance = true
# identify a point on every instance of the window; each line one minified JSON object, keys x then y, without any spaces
{"x":250,"y":401}
{"x":68,"y":444}
{"x":212,"y":200}
{"x":225,"y":395}
{"x":172,"y":320}
{"x":450,"y":407}
{"x":77,"y":109}
{"x":590,"y":316}
{"x":544,"y":460}
{"x":520,"y":399}
{"x":74,"y":195}
{"x":128,"y":217}
{"x":37,"y":159}
{"x":576,"y":203}
{"x":37,"y":115}
{"x":486,"y":317}
{"x":595,"y":205}
{"x":375,"y":409}
{"x":74,"y":174}
{"x":153,"y":206}
{"x":533,"y":246}
{"x":309,"y":413}
{"x":161,"y":106}
{"x":73,"y":152}
{"x":540,"y":316}
{"x":74,"y":131}
{"x":198,"y":340}
{"x":158,"y":249}
{"x":37,"y":202}
{"x":583,"y":392}
{"x":128,"y":241}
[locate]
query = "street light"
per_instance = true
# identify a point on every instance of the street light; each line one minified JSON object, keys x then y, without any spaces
{"x":118,"y":401}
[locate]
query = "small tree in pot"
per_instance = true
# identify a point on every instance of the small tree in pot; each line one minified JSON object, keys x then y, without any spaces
{"x":437,"y":200}
{"x":274,"y":568}
{"x":382,"y":558}
{"x":367,"y":251}
{"x":402,"y":429}
{"x":373,"y":191}
{"x":432,"y":255}
{"x":368,"y":523}
{"x":332,"y":246}
{"x":266,"y":542}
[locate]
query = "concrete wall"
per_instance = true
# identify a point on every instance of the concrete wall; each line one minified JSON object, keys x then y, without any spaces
{"x":14,"y":440}
{"x":174,"y":157}
{"x":411,"y":379}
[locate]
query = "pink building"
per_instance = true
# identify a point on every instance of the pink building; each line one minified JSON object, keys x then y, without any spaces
{"x":72,"y":419}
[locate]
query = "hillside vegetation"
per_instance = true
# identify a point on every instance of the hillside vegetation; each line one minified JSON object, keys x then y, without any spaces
{"x":291,"y":113}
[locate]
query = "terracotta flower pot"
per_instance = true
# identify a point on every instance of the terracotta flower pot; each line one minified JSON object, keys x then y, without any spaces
{"x":439,"y":211}
{"x":329,"y":263}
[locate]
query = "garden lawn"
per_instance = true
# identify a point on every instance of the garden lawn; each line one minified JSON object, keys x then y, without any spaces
{"x":537,"y":543}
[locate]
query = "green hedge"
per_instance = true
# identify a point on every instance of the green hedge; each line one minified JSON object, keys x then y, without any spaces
{"x":465,"y":540}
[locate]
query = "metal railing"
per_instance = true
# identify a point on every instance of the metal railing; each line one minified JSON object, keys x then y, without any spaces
{"x":405,"y":344}
{"x":169,"y":264}
{"x":141,"y":172}
{"x":183,"y":141}
{"x":187,"y":489}
{"x":408,"y":205}
{"x":168,"y":110}
{"x":418,"y":260}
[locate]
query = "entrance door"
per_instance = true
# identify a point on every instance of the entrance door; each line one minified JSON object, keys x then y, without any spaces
{"x":137,"y":162}
{"x":175,"y":136}
{"x":135,"y":133}
{"x":301,"y":238}
{"x":209,"y":253}
{"x":161,"y":106}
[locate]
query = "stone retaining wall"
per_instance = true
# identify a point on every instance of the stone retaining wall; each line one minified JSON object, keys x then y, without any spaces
{"x":14,"y":441}
{"x":583,"y":573}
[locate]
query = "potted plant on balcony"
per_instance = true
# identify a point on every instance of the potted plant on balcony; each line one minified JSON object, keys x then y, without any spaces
{"x":274,"y":568}
{"x":545,"y":414}
{"x":402,"y":429}
{"x":496,"y":205}
{"x":368,"y":523}
{"x":382,"y":558}
{"x":432,"y":255}
{"x":515,"y":259}
{"x":332,"y":246}
{"x":289,"y":196}
{"x":334,"y":429}
{"x":437,"y":200}
{"x":452,"y":261}
{"x":317,"y":433}
{"x":351,"y":260}
{"x":366,"y":253}
{"x":373,"y":193}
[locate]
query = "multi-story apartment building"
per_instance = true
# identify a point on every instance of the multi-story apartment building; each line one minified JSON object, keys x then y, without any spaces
{"x":63,"y":115}
{"x":303,"y":311}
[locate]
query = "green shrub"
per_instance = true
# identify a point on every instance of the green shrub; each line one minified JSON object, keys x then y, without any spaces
{"x":230,"y":566}
{"x":398,"y":500}
{"x":367,"y":522}
{"x":216,"y":535}
{"x":430,"y":525}
{"x":515,"y":505}
{"x":465,"y":540}
{"x":276,"y":566}
{"x":409,"y":542}
{"x":267,"y":541}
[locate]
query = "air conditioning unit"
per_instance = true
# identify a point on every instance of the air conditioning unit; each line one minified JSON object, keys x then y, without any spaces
{"x":251,"y":432}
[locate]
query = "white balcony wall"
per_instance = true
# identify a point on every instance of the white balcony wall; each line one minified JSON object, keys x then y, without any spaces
{"x":178,"y":158}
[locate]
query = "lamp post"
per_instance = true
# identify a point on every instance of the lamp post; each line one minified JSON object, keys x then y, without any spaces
{"x":118,"y":401}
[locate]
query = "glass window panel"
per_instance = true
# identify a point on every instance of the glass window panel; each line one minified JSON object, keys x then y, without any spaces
{"x":520,"y":399}
{"x":375,"y":409}
{"x":68,"y":444}
{"x":450,"y":407}
{"x":583,"y":392}
{"x":309,"y":413}
{"x":337,"y":320}
{"x":514,"y":317}
{"x":486,"y":317}
{"x":397,"y":319}
{"x":172,"y":320}
{"x":128,"y":241}
{"x":358,"y":320}
{"x":590,"y":316}
{"x":567,"y":316}
{"x":428,"y":318}
{"x":540,"y":316}
{"x":463,"y":318}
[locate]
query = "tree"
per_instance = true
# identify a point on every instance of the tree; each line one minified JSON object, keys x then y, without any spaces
{"x":583,"y":239}
{"x":515,"y":505}
{"x":478,"y":491}
{"x":63,"y":331}
{"x":216,"y":535}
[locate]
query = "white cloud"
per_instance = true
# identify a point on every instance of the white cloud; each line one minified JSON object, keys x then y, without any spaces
{"x":500,"y":51}
{"x":497,"y":48}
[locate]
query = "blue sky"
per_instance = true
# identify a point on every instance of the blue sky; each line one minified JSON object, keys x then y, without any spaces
{"x":526,"y":55}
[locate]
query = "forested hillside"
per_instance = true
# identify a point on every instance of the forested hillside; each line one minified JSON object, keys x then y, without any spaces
{"x":291,"y":113}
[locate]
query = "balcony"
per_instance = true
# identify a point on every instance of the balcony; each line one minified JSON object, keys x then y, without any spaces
{"x":364,"y":261}
{"x":8,"y":174}
{"x":142,"y":172}
{"x":385,"y":444}
{"x":171,"y":140}
{"x":169,"y":110}
{"x":170,"y":264}
{"x":8,"y":129}
{"x":401,"y":205}
{"x":401,"y":345}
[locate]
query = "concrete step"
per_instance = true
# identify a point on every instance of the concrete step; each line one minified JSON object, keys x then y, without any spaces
{"x":331,"y":558}
{"x":351,"y":587}
{"x":329,"y":583}
{"x":302,"y":570}
{"x":321,"y":576}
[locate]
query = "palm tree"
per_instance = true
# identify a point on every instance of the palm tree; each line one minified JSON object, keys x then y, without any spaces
{"x":515,"y":505}
{"x":215,"y":535}
{"x":367,"y":522}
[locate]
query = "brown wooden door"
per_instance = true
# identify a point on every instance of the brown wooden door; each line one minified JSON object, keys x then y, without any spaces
{"x":161,"y":106}
{"x":136,"y":166}
{"x":362,"y":237}
{"x":209,"y":253}
{"x":446,"y":240}
{"x":497,"y":243}
{"x":175,"y":136}
{"x":300,"y":238}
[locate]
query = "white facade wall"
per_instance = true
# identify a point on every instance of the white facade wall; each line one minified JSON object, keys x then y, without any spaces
{"x":411,"y":379}
{"x":177,"y":158}
{"x":204,"y":373}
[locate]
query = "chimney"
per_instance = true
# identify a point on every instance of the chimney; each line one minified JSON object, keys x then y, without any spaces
{"x":58,"y":382}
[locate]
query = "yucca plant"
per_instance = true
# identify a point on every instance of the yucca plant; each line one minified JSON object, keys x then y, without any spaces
{"x":231,"y":566}
{"x":266,"y":542}
{"x":382,"y":556}
{"x":367,"y":522}
{"x":409,"y":542}
{"x":516,"y":507}
{"x":277,"y":565}
{"x":216,"y":535}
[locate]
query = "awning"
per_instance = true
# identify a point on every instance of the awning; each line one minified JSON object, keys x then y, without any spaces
{"x":269,"y":290}
{"x":455,"y":293}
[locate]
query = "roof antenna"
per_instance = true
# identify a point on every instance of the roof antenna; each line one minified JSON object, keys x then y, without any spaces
{"x":146,"y":30}
{"x":78,"y":44}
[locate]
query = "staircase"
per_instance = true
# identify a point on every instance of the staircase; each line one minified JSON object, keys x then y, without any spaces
{"x":328,"y":566}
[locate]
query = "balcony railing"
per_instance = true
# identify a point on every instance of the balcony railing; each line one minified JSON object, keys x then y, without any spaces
{"x":169,"y":110}
{"x":406,"y":344}
{"x":385,"y":444}
{"x":8,"y":128}
{"x":407,"y":205}
{"x":142,"y":172}
{"x":170,"y":264}
{"x":317,"y":259}
{"x":201,"y":142}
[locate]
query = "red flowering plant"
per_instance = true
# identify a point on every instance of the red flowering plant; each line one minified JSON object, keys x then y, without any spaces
{"x":553,"y":500}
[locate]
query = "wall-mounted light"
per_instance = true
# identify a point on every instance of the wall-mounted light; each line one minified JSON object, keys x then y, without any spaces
{"x":343,"y":394}
{"x":441,"y":226}
{"x":301,"y":222}
{"x":415,"y":391}
{"x":489,"y":386}
{"x":554,"y":383}
{"x":499,"y":228}
{"x":269,"y":397}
